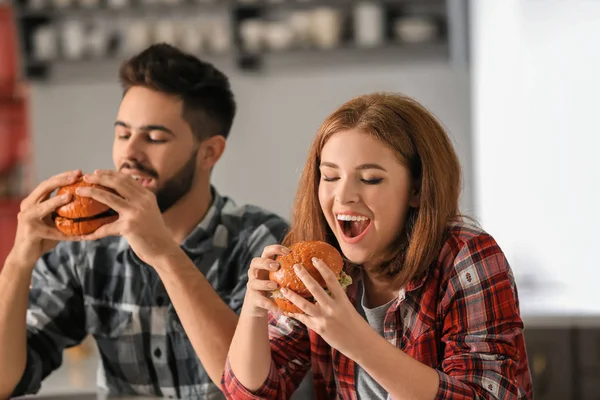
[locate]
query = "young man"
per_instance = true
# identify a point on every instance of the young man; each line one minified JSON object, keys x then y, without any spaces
{"x":160,"y":288}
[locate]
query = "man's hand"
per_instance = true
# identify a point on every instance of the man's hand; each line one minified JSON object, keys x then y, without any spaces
{"x":140,"y":220}
{"x":36,"y":233}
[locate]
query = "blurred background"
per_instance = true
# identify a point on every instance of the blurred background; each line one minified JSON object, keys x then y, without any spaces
{"x":515,"y":82}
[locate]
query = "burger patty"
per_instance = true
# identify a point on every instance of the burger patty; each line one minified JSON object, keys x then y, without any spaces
{"x":107,"y":213}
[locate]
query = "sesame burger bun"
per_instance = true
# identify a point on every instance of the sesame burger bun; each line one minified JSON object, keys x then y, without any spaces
{"x":302,"y":253}
{"x":83,"y":215}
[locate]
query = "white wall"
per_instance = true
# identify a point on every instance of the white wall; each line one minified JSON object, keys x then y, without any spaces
{"x":279,"y":114}
{"x":536,"y":86}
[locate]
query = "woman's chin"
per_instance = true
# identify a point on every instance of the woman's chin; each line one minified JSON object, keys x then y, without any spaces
{"x":355,"y":256}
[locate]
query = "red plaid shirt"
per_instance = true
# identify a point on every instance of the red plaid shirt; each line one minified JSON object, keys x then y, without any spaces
{"x":462,"y":319}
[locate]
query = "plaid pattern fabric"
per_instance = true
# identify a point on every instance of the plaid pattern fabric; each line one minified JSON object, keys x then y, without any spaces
{"x":104,"y":289}
{"x":462,"y":318}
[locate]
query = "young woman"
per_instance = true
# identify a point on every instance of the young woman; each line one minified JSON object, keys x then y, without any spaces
{"x":433,"y":311}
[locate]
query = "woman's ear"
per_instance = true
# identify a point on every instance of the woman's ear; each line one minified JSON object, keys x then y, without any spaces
{"x":210,"y":151}
{"x":415,"y":197}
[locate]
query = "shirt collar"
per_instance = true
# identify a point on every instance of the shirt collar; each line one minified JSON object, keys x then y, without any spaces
{"x":207,"y":226}
{"x":355,"y":273}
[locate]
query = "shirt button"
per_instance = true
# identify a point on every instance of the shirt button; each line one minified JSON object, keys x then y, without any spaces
{"x":160,"y":300}
{"x":157,"y":353}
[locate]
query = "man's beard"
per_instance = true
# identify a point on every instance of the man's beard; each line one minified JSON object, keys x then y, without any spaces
{"x":176,"y":187}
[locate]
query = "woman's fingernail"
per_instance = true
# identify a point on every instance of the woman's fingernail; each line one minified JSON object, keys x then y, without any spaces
{"x":297,"y":268}
{"x":315,"y":260}
{"x":274,"y":266}
{"x":65,"y":196}
{"x":285,"y":250}
{"x":283,"y":291}
{"x":272,"y":285}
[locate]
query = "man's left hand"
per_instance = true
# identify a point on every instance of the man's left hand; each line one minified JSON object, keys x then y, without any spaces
{"x":140,"y":220}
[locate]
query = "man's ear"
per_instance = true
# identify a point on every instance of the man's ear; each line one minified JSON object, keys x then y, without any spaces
{"x":210,"y":151}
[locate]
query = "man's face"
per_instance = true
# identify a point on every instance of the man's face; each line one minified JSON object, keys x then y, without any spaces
{"x":154,"y":144}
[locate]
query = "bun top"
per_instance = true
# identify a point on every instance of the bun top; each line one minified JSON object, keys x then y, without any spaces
{"x":302,"y":253}
{"x":81,"y":207}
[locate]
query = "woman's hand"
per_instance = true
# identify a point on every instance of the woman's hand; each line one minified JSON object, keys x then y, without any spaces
{"x":333,"y":317}
{"x":257,"y":302}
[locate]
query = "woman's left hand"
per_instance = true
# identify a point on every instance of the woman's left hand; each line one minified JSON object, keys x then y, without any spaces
{"x":333,"y":317}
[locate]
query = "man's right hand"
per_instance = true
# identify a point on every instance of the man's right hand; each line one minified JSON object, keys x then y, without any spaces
{"x":36,"y":233}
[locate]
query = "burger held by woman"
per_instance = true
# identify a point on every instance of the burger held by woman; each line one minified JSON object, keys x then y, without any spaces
{"x":432,"y":311}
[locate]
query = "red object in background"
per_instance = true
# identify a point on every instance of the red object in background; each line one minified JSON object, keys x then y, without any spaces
{"x":13,"y":130}
{"x":9,"y":59}
{"x":9,"y":209}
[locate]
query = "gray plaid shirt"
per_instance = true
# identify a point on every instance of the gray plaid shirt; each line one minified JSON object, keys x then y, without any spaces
{"x":102,"y":288}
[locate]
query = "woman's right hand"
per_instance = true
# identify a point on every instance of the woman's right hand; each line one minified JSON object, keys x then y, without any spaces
{"x":257,"y":302}
{"x":36,"y":233}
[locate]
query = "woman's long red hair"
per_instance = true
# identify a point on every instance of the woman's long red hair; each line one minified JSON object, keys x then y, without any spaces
{"x":423,"y":146}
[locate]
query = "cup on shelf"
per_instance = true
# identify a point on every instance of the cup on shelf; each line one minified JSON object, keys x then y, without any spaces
{"x":252,"y":34}
{"x":415,"y":29}
{"x":191,"y":37}
{"x":73,"y":39}
{"x":97,"y":39}
{"x":166,"y":31}
{"x":326,"y":27}
{"x":368,"y":24}
{"x":279,"y":36}
{"x":218,"y":34}
{"x":135,"y":36}
{"x":45,"y":43}
{"x":300,"y":23}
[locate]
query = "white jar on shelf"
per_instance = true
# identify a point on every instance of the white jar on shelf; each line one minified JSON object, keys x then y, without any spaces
{"x":73,"y":39}
{"x":369,"y":24}
{"x":191,"y":37}
{"x":218,"y":37}
{"x":166,"y":31}
{"x":45,"y":43}
{"x":326,"y":27}
{"x":252,"y":33}
{"x":135,"y":36}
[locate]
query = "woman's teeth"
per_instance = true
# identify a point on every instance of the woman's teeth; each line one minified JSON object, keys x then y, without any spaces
{"x":342,"y":217}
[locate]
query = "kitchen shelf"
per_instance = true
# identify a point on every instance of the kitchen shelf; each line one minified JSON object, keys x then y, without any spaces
{"x":102,"y":10}
{"x":233,"y":14}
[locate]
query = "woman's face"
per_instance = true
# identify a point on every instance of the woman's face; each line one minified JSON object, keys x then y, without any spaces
{"x":365,"y":194}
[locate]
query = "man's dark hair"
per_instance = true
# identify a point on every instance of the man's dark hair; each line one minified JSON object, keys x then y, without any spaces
{"x":208,"y":102}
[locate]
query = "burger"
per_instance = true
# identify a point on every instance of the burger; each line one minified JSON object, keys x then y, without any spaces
{"x":302,"y":253}
{"x":83,"y":215}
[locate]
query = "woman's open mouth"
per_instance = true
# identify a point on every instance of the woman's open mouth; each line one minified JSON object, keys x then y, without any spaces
{"x":353,"y":227}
